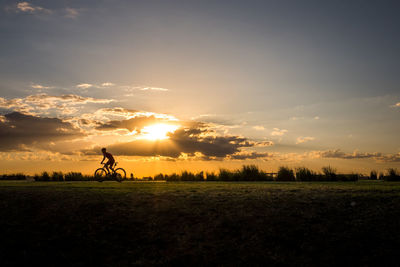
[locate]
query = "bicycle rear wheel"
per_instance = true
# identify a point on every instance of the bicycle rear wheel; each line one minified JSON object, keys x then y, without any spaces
{"x":120,"y":174}
{"x":100,"y":174}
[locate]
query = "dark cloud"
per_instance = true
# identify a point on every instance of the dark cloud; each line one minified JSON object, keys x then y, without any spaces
{"x":138,"y":122}
{"x":135,"y":123}
{"x":19,"y":131}
{"x":184,"y":140}
{"x":251,"y":155}
{"x":337,"y":153}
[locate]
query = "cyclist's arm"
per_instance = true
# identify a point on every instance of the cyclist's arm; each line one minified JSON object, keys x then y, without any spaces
{"x":104,"y":157}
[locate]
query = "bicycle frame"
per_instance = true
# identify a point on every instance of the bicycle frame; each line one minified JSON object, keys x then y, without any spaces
{"x":111,"y":167}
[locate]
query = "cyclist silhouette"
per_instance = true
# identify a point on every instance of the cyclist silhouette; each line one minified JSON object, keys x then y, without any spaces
{"x":110,"y":162}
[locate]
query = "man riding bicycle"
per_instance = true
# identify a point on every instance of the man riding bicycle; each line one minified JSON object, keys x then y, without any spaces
{"x":110,"y":158}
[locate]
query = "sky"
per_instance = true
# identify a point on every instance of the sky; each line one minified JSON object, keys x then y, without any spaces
{"x":199,"y":85}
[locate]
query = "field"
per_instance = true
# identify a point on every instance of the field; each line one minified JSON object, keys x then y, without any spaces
{"x":199,"y":223}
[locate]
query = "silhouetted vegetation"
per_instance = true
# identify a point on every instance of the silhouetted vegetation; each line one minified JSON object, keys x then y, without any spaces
{"x":305,"y":175}
{"x":253,"y":173}
{"x":14,"y":176}
{"x":44,"y":177}
{"x":211,"y":176}
{"x":248,"y":173}
{"x":285,"y":174}
{"x":73,"y":176}
{"x":57,"y":176}
{"x":392,"y":175}
{"x":330,"y":173}
{"x":159,"y":177}
{"x":373,"y":175}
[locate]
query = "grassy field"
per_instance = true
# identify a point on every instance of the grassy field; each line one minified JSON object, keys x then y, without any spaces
{"x":158,"y":223}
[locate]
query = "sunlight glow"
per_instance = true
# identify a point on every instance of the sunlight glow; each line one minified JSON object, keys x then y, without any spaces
{"x":158,"y":131}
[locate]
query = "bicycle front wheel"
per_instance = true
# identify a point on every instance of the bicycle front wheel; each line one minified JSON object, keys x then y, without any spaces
{"x":120,"y":174}
{"x":100,"y":174}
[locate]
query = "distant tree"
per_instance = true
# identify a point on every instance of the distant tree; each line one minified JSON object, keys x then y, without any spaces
{"x":57,"y":176}
{"x":392,"y":175}
{"x":285,"y":174}
{"x":225,"y":175}
{"x":74,"y":176}
{"x":330,"y":173}
{"x":211,"y":176}
{"x":45,"y":177}
{"x":373,"y":175}
{"x":159,"y":177}
{"x":305,"y":174}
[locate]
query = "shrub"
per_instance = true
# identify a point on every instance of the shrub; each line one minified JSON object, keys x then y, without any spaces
{"x":74,"y":176}
{"x":45,"y":177}
{"x":189,"y":176}
{"x":381,"y":176}
{"x":285,"y":174}
{"x":373,"y":175}
{"x":393,"y":175}
{"x":14,"y":176}
{"x":225,"y":175}
{"x":248,"y":173}
{"x":172,"y":177}
{"x":251,"y":173}
{"x":57,"y":176}
{"x":347,"y":177}
{"x":199,"y":176}
{"x":211,"y":176}
{"x":330,"y":173}
{"x":36,"y":177}
{"x":305,"y":174}
{"x":159,"y":177}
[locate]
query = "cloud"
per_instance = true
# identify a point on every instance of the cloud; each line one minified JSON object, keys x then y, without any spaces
{"x":107,"y":84}
{"x":377,"y":156}
{"x":29,"y":8}
{"x":278,"y":132}
{"x":185,"y":140}
{"x":297,"y":118}
{"x":20,"y":132}
{"x":118,"y":113}
{"x":84,"y":85}
{"x":243,"y":155}
{"x":37,"y":104}
{"x":131,"y":89}
{"x":71,"y":13}
{"x":259,"y":128}
{"x":153,"y":89}
{"x":39,"y":86}
{"x":304,"y":139}
{"x":136,"y":123}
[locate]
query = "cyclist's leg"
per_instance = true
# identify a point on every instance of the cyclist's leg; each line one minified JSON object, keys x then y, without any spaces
{"x":106,"y":166}
{"x":112,"y":165}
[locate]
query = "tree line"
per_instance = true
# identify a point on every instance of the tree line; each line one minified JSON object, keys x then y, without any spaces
{"x":246,"y":173}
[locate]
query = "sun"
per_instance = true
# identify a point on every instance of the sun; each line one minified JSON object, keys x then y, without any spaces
{"x":158,"y":131}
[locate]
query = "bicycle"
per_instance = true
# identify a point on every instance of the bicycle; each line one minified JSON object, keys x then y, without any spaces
{"x":117,"y":174}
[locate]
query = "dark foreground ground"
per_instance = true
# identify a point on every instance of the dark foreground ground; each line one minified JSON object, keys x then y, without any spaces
{"x":136,"y":223}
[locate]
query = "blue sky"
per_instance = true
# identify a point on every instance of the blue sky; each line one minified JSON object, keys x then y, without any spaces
{"x":309,"y":76}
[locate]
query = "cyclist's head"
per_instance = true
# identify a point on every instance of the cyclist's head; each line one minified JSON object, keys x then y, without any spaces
{"x":103,"y":149}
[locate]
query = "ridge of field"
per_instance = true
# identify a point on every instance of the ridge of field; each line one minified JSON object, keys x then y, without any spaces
{"x":219,"y":223}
